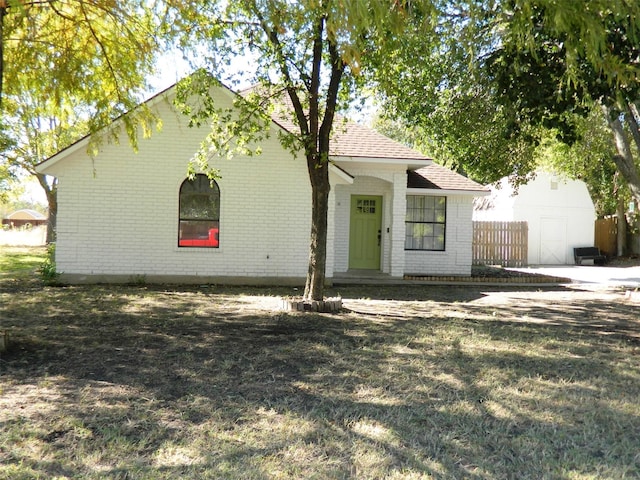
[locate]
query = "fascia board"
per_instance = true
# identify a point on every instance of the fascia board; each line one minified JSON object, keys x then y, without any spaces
{"x":435,"y":191}
{"x":341,"y":174}
{"x":411,"y":164}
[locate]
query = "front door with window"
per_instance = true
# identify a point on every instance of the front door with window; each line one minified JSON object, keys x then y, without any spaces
{"x":365,"y":232}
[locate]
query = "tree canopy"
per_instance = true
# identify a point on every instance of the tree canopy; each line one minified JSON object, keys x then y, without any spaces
{"x":100,"y":50}
{"x":69,"y":68}
{"x":558,"y":61}
{"x":308,"y":55}
{"x":448,"y":101}
{"x":540,"y":65}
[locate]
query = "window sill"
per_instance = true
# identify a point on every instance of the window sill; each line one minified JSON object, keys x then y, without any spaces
{"x":197,"y":249}
{"x":424,"y":251}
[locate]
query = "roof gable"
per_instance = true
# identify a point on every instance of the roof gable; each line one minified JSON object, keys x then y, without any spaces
{"x":84,"y":141}
{"x":350,"y":140}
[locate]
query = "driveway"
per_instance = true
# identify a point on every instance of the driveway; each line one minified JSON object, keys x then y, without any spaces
{"x":618,"y":276}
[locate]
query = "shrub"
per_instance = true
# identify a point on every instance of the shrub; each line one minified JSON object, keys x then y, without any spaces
{"x":47,"y":270}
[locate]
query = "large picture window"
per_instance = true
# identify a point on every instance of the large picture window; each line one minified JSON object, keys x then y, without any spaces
{"x":199,"y":224}
{"x":425,"y":223}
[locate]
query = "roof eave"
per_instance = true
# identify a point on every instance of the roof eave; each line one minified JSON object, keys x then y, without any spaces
{"x":411,"y":163}
{"x":441,"y":191}
{"x":84,"y":141}
{"x":43,"y":166}
{"x":342,"y":174}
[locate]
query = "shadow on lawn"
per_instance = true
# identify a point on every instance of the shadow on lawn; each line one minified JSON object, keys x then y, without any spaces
{"x":581,"y":311}
{"x":160,"y":384}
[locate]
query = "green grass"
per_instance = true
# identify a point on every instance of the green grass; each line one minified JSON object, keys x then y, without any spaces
{"x":20,"y":261}
{"x":410,"y":383}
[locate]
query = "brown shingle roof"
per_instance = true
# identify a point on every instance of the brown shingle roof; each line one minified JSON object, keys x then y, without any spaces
{"x":351,"y":139}
{"x":437,"y":177}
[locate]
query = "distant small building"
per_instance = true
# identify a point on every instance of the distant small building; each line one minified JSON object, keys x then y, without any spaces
{"x":559,"y":212}
{"x":23,"y":217}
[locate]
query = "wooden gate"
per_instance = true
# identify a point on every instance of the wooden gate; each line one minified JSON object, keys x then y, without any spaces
{"x":500,"y":243}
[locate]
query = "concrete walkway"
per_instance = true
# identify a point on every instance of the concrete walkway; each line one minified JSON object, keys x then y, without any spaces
{"x":598,"y":275}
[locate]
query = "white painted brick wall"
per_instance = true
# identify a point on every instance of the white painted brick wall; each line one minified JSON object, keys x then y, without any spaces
{"x":457,"y":257}
{"x":397,"y":267}
{"x":390,"y":183}
{"x":331,"y":233}
{"x":119,"y":212}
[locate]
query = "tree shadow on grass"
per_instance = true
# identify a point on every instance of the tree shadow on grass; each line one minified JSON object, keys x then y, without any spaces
{"x":603,"y":314}
{"x":157,"y":384}
{"x":411,"y":292}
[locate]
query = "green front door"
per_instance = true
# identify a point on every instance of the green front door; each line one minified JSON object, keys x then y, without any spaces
{"x":365,"y":232}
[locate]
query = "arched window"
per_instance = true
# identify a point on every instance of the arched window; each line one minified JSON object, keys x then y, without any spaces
{"x":199,"y":224}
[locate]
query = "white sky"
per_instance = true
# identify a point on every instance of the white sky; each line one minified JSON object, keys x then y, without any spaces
{"x":171,"y":68}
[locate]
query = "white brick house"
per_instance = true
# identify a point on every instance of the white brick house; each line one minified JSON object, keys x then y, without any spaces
{"x":126,"y":216}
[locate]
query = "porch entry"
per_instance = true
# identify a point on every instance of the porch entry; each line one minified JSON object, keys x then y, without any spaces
{"x":365,"y":232}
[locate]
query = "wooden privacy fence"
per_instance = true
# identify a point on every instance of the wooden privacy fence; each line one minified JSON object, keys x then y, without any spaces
{"x":500,"y":243}
{"x":606,"y":231}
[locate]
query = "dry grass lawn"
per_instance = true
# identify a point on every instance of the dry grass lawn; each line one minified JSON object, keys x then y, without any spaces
{"x":142,"y":382}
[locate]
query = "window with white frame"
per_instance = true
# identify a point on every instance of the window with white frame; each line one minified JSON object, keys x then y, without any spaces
{"x":425,"y":223}
{"x":199,"y":223}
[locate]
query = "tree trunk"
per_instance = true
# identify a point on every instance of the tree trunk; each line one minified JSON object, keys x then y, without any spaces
{"x":621,"y":235}
{"x":624,"y":160}
{"x":315,"y":129}
{"x":633,"y":116}
{"x":317,"y":152}
{"x":319,"y":176}
{"x":3,"y":12}
{"x":52,"y":200}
